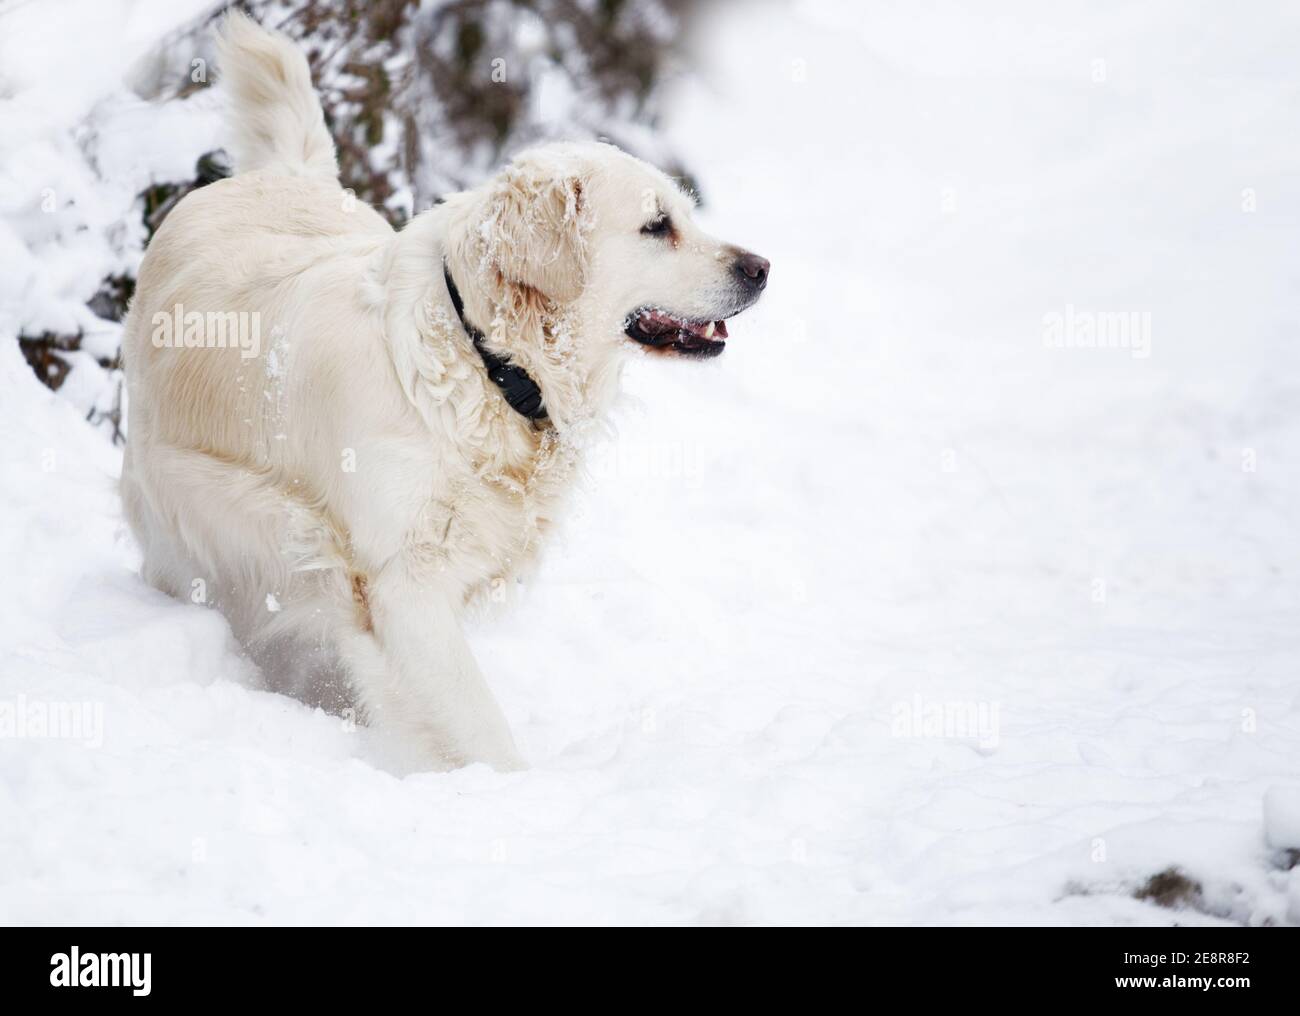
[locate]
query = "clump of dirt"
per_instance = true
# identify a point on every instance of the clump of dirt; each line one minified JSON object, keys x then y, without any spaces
{"x":1171,"y":888}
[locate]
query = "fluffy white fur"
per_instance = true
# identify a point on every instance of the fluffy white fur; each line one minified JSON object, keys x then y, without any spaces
{"x":342,"y":495}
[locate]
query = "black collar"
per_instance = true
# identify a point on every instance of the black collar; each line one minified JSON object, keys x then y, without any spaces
{"x":519,"y":389}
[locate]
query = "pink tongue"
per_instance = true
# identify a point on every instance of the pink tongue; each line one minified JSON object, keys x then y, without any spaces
{"x":656,"y":323}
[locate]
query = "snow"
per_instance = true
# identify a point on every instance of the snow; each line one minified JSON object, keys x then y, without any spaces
{"x":896,"y":613}
{"x":1282,"y":817}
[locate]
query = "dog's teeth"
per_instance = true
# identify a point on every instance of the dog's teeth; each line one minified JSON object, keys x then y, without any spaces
{"x":708,"y":332}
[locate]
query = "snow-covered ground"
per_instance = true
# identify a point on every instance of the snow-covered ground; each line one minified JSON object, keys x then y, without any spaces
{"x":893,"y":502}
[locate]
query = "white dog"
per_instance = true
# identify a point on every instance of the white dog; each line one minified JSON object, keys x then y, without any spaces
{"x":339,"y":434}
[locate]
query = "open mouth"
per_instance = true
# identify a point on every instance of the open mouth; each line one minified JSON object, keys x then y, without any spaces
{"x":661,"y":330}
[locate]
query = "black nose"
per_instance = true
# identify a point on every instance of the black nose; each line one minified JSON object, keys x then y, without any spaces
{"x":752,"y":271}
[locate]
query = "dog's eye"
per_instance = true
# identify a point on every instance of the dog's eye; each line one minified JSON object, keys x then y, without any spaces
{"x":660,"y":226}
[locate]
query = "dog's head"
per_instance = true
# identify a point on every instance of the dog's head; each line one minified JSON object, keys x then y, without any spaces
{"x":578,"y":252}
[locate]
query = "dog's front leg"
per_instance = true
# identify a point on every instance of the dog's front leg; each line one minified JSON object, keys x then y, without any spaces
{"x":429,"y":690}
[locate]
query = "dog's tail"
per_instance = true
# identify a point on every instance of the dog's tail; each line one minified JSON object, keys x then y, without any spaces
{"x":275,"y":118}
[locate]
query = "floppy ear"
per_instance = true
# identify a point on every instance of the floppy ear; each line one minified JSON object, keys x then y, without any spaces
{"x":535,"y":228}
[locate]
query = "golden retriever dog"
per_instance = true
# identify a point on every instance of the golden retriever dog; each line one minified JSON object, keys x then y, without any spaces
{"x":340,"y":435}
